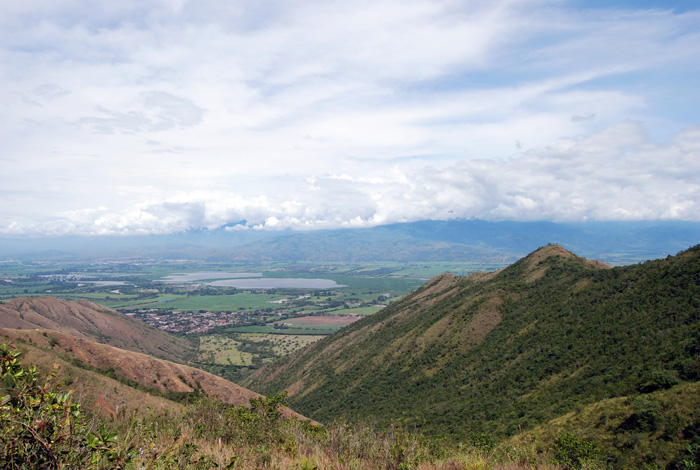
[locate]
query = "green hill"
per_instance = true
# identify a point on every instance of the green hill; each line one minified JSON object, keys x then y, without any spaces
{"x":506,"y":352}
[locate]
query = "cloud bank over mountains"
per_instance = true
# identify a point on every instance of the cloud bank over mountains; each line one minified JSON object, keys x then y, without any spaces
{"x":164,"y":116}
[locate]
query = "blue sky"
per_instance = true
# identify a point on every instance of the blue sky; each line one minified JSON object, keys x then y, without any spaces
{"x":161,"y":116}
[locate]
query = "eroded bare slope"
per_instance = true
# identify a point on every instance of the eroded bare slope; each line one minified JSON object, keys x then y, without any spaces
{"x":88,"y":320}
{"x":90,"y":367}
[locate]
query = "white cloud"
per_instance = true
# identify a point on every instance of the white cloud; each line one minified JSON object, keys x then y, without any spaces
{"x":616,"y":174}
{"x":175,"y":114}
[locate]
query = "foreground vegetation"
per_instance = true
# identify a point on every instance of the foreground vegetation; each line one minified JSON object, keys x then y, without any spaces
{"x":44,"y":427}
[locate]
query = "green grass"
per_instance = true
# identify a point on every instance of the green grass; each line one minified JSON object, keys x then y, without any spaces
{"x":219,"y":303}
{"x":212,"y":303}
{"x":217,"y":349}
{"x":114,"y":301}
{"x":288,"y":331}
{"x":432,"y":269}
{"x":285,"y":344}
{"x":162,"y":301}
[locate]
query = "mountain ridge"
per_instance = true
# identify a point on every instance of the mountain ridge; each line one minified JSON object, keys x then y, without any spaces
{"x":505,"y":351}
{"x":88,"y":320}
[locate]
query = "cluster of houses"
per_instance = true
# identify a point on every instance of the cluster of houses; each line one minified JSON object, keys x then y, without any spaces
{"x":190,"y":322}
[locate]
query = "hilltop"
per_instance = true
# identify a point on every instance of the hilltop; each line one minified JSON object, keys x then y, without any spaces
{"x":500,"y":353}
{"x":91,"y":321}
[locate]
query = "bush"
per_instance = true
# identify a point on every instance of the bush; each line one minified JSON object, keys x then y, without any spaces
{"x":572,"y":452}
{"x":44,"y":428}
{"x":659,"y":380}
{"x":646,"y":416}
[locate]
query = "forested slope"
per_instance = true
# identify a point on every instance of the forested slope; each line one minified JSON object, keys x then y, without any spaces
{"x":503,"y":352}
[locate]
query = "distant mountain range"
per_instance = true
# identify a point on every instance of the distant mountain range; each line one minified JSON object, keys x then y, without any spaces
{"x":549,"y":340}
{"x":455,"y":240}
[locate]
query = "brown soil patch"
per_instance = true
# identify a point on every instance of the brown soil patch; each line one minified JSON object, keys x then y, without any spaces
{"x":485,"y":320}
{"x":598,"y":264}
{"x":323,"y":320}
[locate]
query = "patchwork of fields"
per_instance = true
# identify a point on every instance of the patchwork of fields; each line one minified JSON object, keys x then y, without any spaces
{"x":237,"y":328}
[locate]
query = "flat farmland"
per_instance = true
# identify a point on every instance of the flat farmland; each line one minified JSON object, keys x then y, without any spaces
{"x":303,"y":325}
{"x":319,"y":321}
{"x":285,"y":344}
{"x":362,"y":311}
{"x":218,"y":349}
{"x":242,"y":350}
{"x":213,"y":303}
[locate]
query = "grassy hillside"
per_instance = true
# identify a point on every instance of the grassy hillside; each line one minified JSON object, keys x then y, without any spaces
{"x":660,"y":429}
{"x":506,"y":352}
{"x":111,"y":378}
{"x":45,"y":427}
{"x":88,"y":320}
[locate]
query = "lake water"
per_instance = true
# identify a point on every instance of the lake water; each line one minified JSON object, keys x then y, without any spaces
{"x":282,"y":283}
{"x":204,"y":275}
{"x":107,"y":283}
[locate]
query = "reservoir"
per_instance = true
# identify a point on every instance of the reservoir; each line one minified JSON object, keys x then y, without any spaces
{"x":204,"y":275}
{"x":273,"y":283}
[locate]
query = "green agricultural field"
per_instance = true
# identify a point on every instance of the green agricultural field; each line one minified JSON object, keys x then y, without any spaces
{"x":259,"y":329}
{"x":217,"y":349}
{"x":286,"y":344}
{"x":242,"y":350}
{"x":161,"y":301}
{"x":320,"y":321}
{"x":110,"y":299}
{"x":218,"y":303}
{"x":142,"y":287}
{"x":431,"y":269}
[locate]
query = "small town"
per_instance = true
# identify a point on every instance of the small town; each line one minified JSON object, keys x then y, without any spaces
{"x":197,"y":322}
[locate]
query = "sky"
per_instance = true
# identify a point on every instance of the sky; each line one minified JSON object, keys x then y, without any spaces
{"x":162,"y":116}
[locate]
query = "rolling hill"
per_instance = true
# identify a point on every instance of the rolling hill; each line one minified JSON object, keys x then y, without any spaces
{"x":109,"y":379}
{"x":88,"y":320}
{"x":502,"y":353}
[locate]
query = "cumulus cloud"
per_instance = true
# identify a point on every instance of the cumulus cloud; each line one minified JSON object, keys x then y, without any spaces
{"x":160,"y":116}
{"x":615,"y":174}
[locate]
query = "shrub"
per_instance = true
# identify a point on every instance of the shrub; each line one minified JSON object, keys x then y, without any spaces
{"x":646,"y":414}
{"x":659,"y":380}
{"x":572,"y":452}
{"x":44,"y":428}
